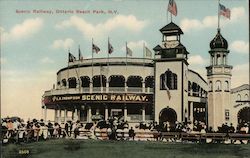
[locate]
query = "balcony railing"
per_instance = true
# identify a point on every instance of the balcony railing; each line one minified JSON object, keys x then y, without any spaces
{"x":99,"y":90}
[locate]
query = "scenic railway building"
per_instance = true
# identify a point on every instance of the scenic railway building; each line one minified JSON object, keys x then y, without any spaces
{"x":145,"y":90}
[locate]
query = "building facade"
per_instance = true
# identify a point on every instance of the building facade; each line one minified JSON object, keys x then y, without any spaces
{"x":162,"y":89}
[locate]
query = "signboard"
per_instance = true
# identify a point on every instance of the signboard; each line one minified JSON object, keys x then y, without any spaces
{"x":98,"y":98}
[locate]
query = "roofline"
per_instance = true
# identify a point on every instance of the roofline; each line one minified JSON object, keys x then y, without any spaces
{"x":198,"y":75}
{"x":110,"y":63}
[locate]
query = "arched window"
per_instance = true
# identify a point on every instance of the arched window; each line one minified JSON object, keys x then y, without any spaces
{"x":218,"y":85}
{"x":85,"y":80}
{"x":162,"y":80}
{"x":226,"y":88}
{"x":99,"y":81}
{"x":117,"y":81}
{"x":218,"y":62}
{"x":72,"y":82}
{"x":239,"y":97}
{"x":149,"y":82}
{"x":64,"y":83}
{"x":134,"y":81}
{"x":168,"y":79}
{"x":246,"y":97}
{"x":210,"y":86}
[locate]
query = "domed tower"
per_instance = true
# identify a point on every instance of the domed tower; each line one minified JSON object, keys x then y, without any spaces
{"x":219,"y":82}
{"x":171,"y":80}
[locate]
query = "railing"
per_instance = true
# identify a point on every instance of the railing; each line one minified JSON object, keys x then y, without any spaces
{"x":99,"y":90}
{"x":116,"y":89}
{"x":139,"y":135}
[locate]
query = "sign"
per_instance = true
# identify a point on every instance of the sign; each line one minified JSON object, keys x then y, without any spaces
{"x":97,"y":97}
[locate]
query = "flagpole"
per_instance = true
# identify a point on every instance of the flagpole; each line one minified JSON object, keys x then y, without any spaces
{"x":171,"y":17}
{"x":78,"y":68}
{"x":218,"y":14}
{"x":126,"y":55}
{"x":101,"y":77}
{"x":108,"y":53}
{"x":92,"y":58}
{"x":143,"y":54}
{"x":67,"y":83}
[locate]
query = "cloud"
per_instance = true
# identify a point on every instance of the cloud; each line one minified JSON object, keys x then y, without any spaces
{"x":240,"y":47}
{"x":26,"y":29}
{"x":211,"y":21}
{"x":135,"y":46}
{"x":46,"y":60}
{"x":64,"y":44}
{"x":240,"y":75}
{"x":90,"y":30}
{"x":197,"y":60}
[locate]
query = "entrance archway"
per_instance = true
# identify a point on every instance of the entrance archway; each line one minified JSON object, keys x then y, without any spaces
{"x":168,"y":115}
{"x":244,"y":115}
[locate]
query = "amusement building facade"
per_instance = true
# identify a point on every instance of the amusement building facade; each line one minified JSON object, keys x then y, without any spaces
{"x":145,"y":90}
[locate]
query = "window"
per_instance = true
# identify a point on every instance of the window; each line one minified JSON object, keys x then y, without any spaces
{"x":226,"y":114}
{"x":210,"y":86}
{"x":134,"y":81}
{"x":246,"y":97}
{"x":218,"y":86}
{"x":239,"y":97}
{"x":99,"y":81}
{"x":117,"y":81}
{"x":85,"y":81}
{"x":168,"y":79}
{"x":64,"y":83}
{"x":72,"y":82}
{"x":149,"y":82}
{"x":226,"y":88}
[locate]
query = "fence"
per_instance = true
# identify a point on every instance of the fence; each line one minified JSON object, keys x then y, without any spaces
{"x":144,"y":135}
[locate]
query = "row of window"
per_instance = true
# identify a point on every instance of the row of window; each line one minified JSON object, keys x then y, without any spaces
{"x":113,"y":81}
{"x":218,"y":86}
{"x":197,"y":90}
{"x":239,"y":98}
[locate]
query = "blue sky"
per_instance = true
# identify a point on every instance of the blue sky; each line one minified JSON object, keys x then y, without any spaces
{"x":35,"y":46}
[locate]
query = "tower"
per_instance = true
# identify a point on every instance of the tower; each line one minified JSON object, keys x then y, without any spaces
{"x":170,"y":76}
{"x":219,"y":82}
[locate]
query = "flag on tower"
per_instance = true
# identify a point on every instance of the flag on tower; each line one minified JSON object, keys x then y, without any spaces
{"x":148,"y":52}
{"x":110,"y":48}
{"x":80,"y":54}
{"x":172,"y":7}
{"x":72,"y":58}
{"x":128,"y":51}
{"x":224,"y":11}
{"x":95,"y":48}
{"x":166,"y":87}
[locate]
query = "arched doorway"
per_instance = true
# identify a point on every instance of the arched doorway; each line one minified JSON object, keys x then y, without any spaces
{"x":244,"y":115}
{"x":168,"y":115}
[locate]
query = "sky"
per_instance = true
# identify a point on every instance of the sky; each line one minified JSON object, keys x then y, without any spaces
{"x":35,"y":45}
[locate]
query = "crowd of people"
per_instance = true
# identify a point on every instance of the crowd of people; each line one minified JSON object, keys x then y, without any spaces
{"x":18,"y":131}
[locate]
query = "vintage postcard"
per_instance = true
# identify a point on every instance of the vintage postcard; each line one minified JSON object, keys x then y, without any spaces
{"x":125,"y":78}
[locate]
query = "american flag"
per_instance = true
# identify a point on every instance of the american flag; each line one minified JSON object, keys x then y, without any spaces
{"x":72,"y":58}
{"x":80,"y":54}
{"x":95,"y":48}
{"x":129,"y":51}
{"x":224,"y":11}
{"x":166,"y":87}
{"x":172,"y":7}
{"x":110,"y":47}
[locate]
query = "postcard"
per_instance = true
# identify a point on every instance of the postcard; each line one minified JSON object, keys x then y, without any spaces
{"x":123,"y":78}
